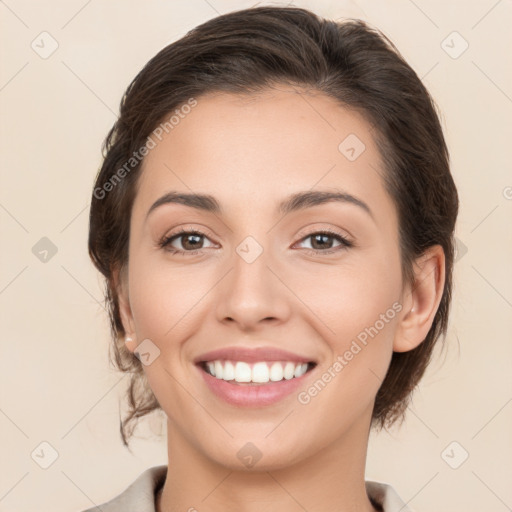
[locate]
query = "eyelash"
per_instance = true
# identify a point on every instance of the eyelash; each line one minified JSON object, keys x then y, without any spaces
{"x":166,"y":240}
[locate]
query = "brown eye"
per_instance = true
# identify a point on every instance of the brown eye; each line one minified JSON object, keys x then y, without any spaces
{"x":323,"y":241}
{"x":189,"y":241}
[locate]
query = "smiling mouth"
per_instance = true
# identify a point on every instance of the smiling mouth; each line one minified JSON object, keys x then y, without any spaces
{"x":257,"y":373}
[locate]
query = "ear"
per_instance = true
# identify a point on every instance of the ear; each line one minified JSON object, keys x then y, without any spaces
{"x":120,"y":280}
{"x":421,"y":300}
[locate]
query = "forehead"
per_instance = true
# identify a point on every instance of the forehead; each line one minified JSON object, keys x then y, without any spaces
{"x":251,"y":149}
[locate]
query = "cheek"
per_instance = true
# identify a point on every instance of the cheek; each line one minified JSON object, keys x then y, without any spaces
{"x":356,"y":310}
{"x":164,"y":298}
{"x":166,"y":306}
{"x":348,"y":298}
{"x":360,"y":310}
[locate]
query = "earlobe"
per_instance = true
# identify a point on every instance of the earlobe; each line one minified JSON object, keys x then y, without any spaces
{"x":130,"y":343}
{"x":425,"y":296}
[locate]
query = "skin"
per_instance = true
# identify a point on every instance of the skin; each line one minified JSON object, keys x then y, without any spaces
{"x":250,"y":152}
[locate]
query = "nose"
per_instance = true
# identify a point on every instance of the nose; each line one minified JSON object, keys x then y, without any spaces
{"x":252,"y":294}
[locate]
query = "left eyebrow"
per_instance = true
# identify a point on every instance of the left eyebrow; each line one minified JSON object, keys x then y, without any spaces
{"x":295,"y":202}
{"x":310,"y":198}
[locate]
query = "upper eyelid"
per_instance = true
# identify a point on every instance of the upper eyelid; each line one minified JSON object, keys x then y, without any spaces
{"x":308,"y":231}
{"x":187,"y":230}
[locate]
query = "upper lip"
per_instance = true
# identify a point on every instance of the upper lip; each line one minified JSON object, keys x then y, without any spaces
{"x":252,"y":355}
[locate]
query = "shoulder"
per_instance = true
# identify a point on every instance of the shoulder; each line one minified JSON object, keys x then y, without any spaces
{"x":139,"y":496}
{"x":385,"y":496}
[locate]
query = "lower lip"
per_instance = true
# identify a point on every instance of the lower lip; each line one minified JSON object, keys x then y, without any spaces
{"x":253,"y":395}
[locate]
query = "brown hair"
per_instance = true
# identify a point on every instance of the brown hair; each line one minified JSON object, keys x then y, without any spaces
{"x":246,"y":51}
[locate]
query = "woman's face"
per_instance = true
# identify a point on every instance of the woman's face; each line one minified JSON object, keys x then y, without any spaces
{"x":260,"y":275}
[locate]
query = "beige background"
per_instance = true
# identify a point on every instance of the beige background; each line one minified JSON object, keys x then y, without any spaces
{"x":56,"y":383}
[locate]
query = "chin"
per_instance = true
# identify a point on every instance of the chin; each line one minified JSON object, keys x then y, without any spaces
{"x":260,"y":454}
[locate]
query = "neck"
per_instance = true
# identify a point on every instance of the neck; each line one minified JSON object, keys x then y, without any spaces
{"x":329,"y":480}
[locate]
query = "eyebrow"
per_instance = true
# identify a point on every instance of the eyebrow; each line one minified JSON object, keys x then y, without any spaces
{"x":295,"y":202}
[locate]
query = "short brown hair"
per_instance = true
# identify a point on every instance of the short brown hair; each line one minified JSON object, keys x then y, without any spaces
{"x":246,"y":51}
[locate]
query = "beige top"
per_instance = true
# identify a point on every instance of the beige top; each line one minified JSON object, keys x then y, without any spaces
{"x":140,"y":495}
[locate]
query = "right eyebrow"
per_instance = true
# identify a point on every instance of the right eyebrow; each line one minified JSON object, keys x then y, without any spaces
{"x":200,"y":201}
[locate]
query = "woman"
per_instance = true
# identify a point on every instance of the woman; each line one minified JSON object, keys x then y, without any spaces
{"x":274,"y":218}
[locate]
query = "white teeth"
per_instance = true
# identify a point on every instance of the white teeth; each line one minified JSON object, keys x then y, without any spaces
{"x":229,"y":371}
{"x":276,"y":372}
{"x":300,"y":370}
{"x":242,"y":371}
{"x":289,"y":370}
{"x":260,"y":372}
{"x":218,"y":369}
